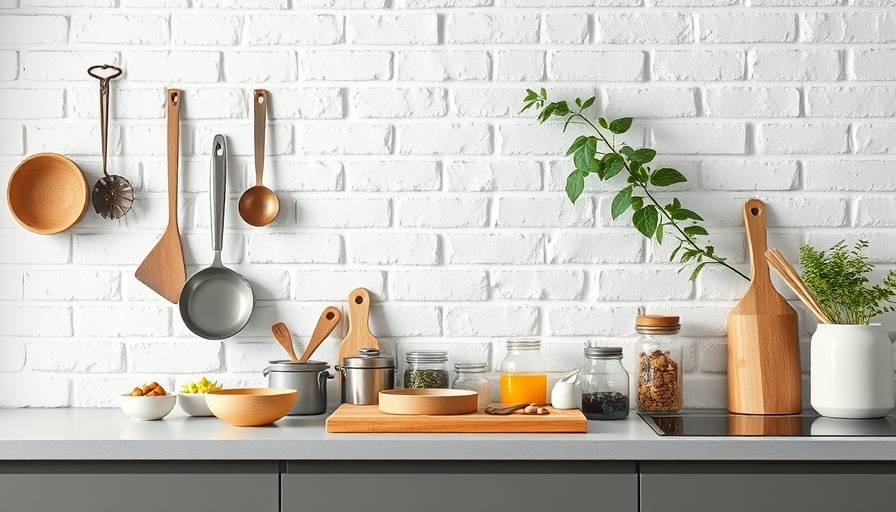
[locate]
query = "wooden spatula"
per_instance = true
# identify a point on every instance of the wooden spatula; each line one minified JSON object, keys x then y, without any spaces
{"x":284,"y":338}
{"x":359,"y":335}
{"x":763,"y":338}
{"x":164,"y":270}
{"x":325,"y":325}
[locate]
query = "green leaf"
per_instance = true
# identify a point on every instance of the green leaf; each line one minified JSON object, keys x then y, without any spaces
{"x":621,"y":125}
{"x":602,"y":122}
{"x":627,"y":151}
{"x":688,"y":214}
{"x":544,"y":93}
{"x":695,"y":230}
{"x":578,"y":102}
{"x":637,"y":203}
{"x":584,"y":156}
{"x":675,"y":252}
{"x":642,"y":156}
{"x":579,"y":142}
{"x":575,"y":185}
{"x":614,"y":164}
{"x":646,"y":220}
{"x":696,"y":271}
{"x":621,"y":202}
{"x":527,"y":107}
{"x":531,"y":95}
{"x":659,"y":233}
{"x":588,"y":103}
{"x":666,"y":176}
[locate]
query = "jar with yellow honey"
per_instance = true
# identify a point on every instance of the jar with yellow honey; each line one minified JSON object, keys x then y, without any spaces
{"x":524,"y":377}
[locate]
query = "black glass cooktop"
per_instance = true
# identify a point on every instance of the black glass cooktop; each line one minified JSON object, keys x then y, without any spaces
{"x":806,"y":424}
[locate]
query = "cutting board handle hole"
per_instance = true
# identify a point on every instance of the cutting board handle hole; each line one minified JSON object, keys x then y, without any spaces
{"x":359,"y":299}
{"x":174,"y":98}
{"x":330,"y":315}
{"x":754,"y":211}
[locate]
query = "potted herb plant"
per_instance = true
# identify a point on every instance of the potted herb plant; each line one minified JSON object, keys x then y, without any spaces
{"x":852,"y":358}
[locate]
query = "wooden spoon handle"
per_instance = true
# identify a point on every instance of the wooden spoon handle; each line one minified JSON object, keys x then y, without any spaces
{"x":325,"y":325}
{"x":173,"y":100}
{"x":260,"y":102}
{"x":284,"y":337}
{"x":359,"y":312}
{"x":757,"y":239}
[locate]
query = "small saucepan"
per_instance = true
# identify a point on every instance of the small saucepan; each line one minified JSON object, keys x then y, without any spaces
{"x":216,"y":302}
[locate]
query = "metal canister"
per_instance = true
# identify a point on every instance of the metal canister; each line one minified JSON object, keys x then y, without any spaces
{"x":364,"y":375}
{"x":309,"y":379}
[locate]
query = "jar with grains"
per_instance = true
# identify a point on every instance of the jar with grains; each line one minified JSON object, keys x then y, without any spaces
{"x":471,"y":376}
{"x":524,"y":373}
{"x":426,"y":369}
{"x":658,"y":366}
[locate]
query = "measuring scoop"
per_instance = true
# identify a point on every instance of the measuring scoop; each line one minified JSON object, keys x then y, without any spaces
{"x":112,"y":195}
{"x":259,"y":205}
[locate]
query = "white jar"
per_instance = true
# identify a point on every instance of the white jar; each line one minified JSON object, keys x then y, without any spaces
{"x":471,"y":376}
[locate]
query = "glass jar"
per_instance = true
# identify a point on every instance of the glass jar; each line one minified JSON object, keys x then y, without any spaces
{"x":658,"y":366}
{"x":471,"y":376}
{"x":605,"y":384}
{"x":426,"y":369}
{"x":524,"y":374}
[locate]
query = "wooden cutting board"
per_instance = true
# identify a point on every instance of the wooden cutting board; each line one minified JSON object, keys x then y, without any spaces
{"x":357,"y":419}
{"x":763,"y":336}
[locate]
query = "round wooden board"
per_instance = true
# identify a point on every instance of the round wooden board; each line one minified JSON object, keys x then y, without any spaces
{"x":428,"y":401}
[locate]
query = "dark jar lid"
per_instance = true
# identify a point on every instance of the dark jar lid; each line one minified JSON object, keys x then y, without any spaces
{"x":368,"y":358}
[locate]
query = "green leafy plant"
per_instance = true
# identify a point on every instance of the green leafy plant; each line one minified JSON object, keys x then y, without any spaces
{"x":601,"y":156}
{"x":838,"y":278}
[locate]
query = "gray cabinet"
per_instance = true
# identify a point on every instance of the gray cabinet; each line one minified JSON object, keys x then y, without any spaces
{"x":751,"y":487}
{"x":450,"y":486}
{"x":139,"y":486}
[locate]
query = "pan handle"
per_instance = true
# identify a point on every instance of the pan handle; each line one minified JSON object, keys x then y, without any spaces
{"x":218,"y":187}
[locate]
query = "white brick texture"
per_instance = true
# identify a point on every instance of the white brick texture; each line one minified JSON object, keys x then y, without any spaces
{"x":396,"y":144}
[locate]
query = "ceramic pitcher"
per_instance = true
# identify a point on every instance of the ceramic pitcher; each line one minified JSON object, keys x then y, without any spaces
{"x":853,"y":371}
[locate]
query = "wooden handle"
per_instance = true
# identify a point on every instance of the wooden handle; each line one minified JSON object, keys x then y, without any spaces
{"x":260,"y":106}
{"x":173,"y":99}
{"x":358,"y":311}
{"x":757,"y":239}
{"x":284,"y":338}
{"x":325,"y":325}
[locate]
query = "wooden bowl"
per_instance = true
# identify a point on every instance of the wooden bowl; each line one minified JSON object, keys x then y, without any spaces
{"x":428,"y":401}
{"x":47,"y":193}
{"x":250,"y":407}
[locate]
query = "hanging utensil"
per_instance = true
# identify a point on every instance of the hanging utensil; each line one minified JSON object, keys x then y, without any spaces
{"x":163,"y":269}
{"x":259,"y":205}
{"x":112,"y":195}
{"x":216,"y":302}
{"x":284,"y":338}
{"x":325,"y":325}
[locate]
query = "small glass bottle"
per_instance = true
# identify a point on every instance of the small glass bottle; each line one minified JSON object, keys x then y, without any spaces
{"x":426,"y":369}
{"x":658,"y":367}
{"x":605,"y":384}
{"x":471,"y":376}
{"x":524,"y":376}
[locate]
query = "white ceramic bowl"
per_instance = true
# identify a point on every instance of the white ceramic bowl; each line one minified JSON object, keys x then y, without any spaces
{"x":147,"y":408}
{"x":194,"y":404}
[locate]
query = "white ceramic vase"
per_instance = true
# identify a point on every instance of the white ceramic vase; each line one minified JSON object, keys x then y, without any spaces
{"x":853,"y":371}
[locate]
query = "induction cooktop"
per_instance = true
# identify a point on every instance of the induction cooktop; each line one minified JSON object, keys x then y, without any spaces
{"x":806,"y":424}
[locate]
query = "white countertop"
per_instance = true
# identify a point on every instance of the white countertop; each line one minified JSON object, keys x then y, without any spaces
{"x":107,"y":434}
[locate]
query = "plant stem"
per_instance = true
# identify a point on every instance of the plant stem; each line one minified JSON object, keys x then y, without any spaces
{"x":685,"y":237}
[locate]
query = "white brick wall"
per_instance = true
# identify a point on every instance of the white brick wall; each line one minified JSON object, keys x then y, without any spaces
{"x":403,"y":165}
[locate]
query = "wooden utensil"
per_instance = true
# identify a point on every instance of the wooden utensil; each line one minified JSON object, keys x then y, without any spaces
{"x":325,"y":325}
{"x":259,"y":205}
{"x":350,"y":418}
{"x":763,"y":340}
{"x":47,"y":194}
{"x":284,"y":337}
{"x":164,"y":270}
{"x":428,"y":401}
{"x":792,"y":279}
{"x":359,"y":335}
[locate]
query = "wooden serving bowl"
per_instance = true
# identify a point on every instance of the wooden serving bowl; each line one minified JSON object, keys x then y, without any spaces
{"x":47,"y":193}
{"x":428,"y":401}
{"x":250,"y":407}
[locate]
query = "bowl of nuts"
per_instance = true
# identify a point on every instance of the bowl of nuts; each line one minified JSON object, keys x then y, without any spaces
{"x":147,"y":403}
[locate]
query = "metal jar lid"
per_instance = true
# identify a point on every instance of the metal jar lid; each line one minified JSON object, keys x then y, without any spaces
{"x":603,"y":353}
{"x":286,"y":365}
{"x":368,"y":358}
{"x":427,"y":356}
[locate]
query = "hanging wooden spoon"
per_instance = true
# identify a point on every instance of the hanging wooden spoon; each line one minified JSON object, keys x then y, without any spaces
{"x":325,"y":325}
{"x":259,"y":205}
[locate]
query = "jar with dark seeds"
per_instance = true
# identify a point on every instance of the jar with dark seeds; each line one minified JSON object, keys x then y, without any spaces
{"x":426,"y":369}
{"x":426,"y":379}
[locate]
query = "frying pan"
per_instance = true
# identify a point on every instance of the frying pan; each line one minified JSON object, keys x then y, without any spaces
{"x":216,"y":302}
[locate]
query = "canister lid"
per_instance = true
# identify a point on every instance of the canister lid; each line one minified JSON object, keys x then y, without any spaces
{"x":603,"y":352}
{"x":287,"y":365}
{"x":657,"y":324}
{"x":368,"y":358}
{"x":427,"y":356}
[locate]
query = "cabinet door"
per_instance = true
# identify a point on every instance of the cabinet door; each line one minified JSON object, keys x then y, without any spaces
{"x":751,"y":487}
{"x":451,"y":486}
{"x":139,"y":487}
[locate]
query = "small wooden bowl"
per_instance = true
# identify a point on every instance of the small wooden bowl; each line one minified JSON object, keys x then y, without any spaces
{"x":47,"y":193}
{"x":250,"y":407}
{"x":428,"y":401}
